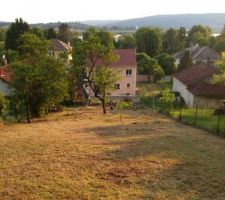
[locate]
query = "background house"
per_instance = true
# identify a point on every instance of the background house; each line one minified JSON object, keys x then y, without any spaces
{"x":199,"y":55}
{"x":58,"y":47}
{"x":194,"y":86}
{"x":126,"y":67}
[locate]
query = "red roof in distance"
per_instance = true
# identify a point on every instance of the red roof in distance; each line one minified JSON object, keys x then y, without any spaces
{"x":196,"y":74}
{"x":5,"y":73}
{"x":127,"y":58}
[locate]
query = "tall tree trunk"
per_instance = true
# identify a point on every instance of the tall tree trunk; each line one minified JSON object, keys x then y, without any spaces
{"x":27,"y":112}
{"x":103,"y":106}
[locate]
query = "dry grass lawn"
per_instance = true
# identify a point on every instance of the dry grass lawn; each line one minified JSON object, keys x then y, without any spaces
{"x":81,"y":154}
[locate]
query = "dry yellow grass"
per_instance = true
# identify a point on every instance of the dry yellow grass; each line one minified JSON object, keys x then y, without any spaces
{"x":81,"y":154}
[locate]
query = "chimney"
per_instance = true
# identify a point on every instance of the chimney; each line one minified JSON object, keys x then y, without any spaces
{"x":4,"y":60}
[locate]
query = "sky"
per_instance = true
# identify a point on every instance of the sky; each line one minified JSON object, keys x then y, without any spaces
{"x":34,"y":11}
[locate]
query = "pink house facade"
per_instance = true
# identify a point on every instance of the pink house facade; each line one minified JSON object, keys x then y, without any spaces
{"x":126,"y":66}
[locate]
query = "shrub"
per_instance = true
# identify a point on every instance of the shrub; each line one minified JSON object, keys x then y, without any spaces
{"x":3,"y":104}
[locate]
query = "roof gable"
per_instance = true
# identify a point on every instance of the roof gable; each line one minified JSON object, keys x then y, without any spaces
{"x":58,"y":45}
{"x":199,"y":53}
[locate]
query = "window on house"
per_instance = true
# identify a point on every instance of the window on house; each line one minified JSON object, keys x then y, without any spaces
{"x":128,"y":72}
{"x":128,"y":85}
{"x":117,"y":86}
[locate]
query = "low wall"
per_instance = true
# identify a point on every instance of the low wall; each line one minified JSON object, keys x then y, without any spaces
{"x":142,"y":78}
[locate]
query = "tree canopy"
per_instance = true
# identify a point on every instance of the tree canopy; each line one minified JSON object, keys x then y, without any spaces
{"x":199,"y":34}
{"x":64,"y":33}
{"x":150,"y":66}
{"x":167,"y":62}
{"x":126,"y":41}
{"x":185,"y":61}
{"x":37,"y":92}
{"x":15,"y":30}
{"x":149,"y":41}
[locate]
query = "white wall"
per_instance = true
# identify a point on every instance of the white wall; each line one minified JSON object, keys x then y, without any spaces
{"x":182,"y":89}
{"x":4,"y":88}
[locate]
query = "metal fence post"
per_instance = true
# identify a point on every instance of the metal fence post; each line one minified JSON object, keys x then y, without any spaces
{"x":153,"y":103}
{"x":169,"y":108}
{"x":218,"y":124}
{"x":180,"y":116}
{"x":161,"y":105}
{"x":196,"y":113}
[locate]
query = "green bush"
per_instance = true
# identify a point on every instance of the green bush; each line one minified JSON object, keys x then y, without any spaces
{"x":124,"y":105}
{"x":3,"y":104}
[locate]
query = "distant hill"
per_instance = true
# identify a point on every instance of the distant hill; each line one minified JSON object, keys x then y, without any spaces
{"x":215,"y":21}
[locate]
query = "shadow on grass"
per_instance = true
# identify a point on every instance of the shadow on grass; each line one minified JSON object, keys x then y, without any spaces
{"x":168,"y":162}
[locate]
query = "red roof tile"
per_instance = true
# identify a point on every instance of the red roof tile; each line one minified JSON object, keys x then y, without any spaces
{"x":206,"y":89}
{"x":5,"y":73}
{"x":197,"y":79}
{"x":127,"y":58}
{"x":196,"y":74}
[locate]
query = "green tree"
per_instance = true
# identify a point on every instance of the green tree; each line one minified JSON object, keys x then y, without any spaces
{"x":149,"y":41}
{"x":220,"y":78}
{"x":170,"y":41}
{"x":38,"y":32}
{"x":15,"y":30}
{"x":96,"y":47}
{"x":126,"y":41}
{"x":3,"y":103}
{"x":185,"y":61}
{"x":37,"y":92}
{"x":31,"y":48}
{"x":104,"y":80}
{"x":64,"y":33}
{"x":167,"y":62}
{"x":150,"y":67}
{"x":199,"y":34}
{"x":12,"y":56}
{"x":219,"y":44}
{"x":181,"y":39}
{"x":2,"y":34}
{"x":51,"y":34}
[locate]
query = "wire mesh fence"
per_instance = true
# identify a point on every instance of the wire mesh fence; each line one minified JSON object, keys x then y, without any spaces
{"x":204,"y":118}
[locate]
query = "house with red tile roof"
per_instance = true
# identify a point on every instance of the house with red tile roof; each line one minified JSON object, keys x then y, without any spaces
{"x":5,"y":76}
{"x":195,"y":87}
{"x":126,"y":67}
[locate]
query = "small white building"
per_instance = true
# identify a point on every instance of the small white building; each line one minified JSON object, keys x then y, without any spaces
{"x":194,"y":86}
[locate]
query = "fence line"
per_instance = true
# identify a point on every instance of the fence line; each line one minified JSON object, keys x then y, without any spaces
{"x":198,"y":117}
